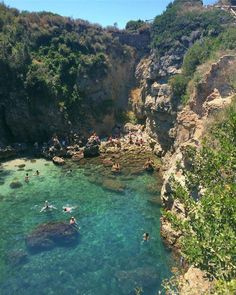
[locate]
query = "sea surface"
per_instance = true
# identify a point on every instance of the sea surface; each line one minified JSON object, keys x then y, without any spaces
{"x":110,"y":258}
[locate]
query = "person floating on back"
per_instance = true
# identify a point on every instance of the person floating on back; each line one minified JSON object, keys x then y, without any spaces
{"x":47,"y":207}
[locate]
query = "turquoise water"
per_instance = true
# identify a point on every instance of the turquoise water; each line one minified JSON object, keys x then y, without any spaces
{"x":110,"y":258}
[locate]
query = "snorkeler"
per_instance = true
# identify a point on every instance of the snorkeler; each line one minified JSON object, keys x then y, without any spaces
{"x":47,"y":207}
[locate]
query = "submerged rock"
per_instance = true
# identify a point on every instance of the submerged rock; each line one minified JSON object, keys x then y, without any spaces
{"x":58,"y":161}
{"x":139,"y":277}
{"x":16,"y":258}
{"x":52,"y":234}
{"x":113,"y":185}
{"x":21,"y":166}
{"x":15,"y":184}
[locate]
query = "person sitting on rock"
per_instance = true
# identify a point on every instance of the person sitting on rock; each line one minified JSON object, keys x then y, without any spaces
{"x":146,"y":237}
{"x":116,"y":167}
{"x":47,"y":207}
{"x":73,"y":221}
{"x":130,"y":140}
{"x":27,"y":177}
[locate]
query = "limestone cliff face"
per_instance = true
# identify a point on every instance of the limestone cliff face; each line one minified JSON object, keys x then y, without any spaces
{"x":213,"y":93}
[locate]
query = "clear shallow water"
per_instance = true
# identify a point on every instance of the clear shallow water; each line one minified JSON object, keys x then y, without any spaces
{"x":110,"y":258}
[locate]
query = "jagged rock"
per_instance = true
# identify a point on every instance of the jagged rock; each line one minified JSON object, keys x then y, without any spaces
{"x":52,"y":234}
{"x":7,"y":152}
{"x":78,"y":156}
{"x":141,"y":277}
{"x":58,"y":161}
{"x":195,"y":282}
{"x":129,"y":127}
{"x":158,"y":151}
{"x":15,"y":184}
{"x":170,"y":235}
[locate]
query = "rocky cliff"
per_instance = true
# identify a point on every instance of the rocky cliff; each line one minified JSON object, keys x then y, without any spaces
{"x":60,"y":75}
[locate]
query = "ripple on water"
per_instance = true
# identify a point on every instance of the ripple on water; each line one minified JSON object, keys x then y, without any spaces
{"x":110,"y":258}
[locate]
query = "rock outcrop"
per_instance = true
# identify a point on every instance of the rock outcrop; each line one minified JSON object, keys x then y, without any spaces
{"x":212,"y":94}
{"x":58,"y":161}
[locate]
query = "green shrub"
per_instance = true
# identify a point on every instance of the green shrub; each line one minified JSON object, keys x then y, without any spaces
{"x":208,"y":240}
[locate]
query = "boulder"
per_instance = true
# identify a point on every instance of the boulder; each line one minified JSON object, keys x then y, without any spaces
{"x":195,"y":282}
{"x":15,"y":184}
{"x":7,"y":152}
{"x":91,"y":150}
{"x":21,"y":166}
{"x":49,"y":235}
{"x":77,"y":156}
{"x":58,"y":161}
{"x":16,"y":258}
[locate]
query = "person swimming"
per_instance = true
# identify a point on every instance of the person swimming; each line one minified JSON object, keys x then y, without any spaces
{"x":146,"y":236}
{"x":73,"y":221}
{"x":27,"y":177}
{"x":47,"y":207}
{"x":37,"y":173}
{"x":68,"y":209}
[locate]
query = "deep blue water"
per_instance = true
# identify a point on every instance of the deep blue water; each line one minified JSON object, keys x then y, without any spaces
{"x":110,"y":258}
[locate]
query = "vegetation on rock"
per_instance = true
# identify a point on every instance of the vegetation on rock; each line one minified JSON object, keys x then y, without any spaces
{"x":208,"y":231}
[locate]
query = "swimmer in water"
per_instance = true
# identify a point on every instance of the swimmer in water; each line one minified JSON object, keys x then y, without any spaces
{"x":27,"y":177}
{"x":73,"y":222}
{"x":68,"y":209}
{"x":47,"y":207}
{"x":37,"y":173}
{"x":146,"y":237}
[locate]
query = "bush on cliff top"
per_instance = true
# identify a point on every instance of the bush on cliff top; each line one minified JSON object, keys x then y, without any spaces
{"x":198,"y":54}
{"x":179,"y":22}
{"x":44,"y":56}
